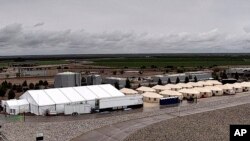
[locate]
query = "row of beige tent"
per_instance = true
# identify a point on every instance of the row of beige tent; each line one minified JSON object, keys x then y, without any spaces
{"x":186,"y":90}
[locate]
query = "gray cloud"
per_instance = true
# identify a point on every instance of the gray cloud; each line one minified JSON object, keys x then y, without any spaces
{"x":39,"y":24}
{"x":16,"y":40}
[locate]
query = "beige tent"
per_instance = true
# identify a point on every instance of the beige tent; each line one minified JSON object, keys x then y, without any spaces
{"x":204,"y":92}
{"x":215,"y":90}
{"x":237,"y":87}
{"x":226,"y":89}
{"x":185,"y":85}
{"x":144,"y":89}
{"x":214,"y":82}
{"x":246,"y":86}
{"x":194,"y":84}
{"x":187,"y":93}
{"x":169,"y":93}
{"x":174,"y":87}
{"x":151,"y":97}
{"x":160,"y":88}
{"x":127,"y":91}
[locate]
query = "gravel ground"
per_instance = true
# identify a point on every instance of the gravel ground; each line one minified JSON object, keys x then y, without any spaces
{"x":208,"y":126}
{"x":66,"y":130}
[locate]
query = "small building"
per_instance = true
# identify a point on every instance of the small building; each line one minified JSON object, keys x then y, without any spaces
{"x":67,"y":79}
{"x":170,"y":93}
{"x":204,"y":92}
{"x":236,"y":87}
{"x":216,"y":91}
{"x":226,"y":89}
{"x":113,"y":80}
{"x":16,"y":107}
{"x":174,"y":87}
{"x":128,"y":91}
{"x":188,"y":93}
{"x":93,"y":79}
{"x":144,"y":89}
{"x":151,"y":97}
{"x":160,"y":88}
{"x":200,"y":75}
{"x":246,"y":86}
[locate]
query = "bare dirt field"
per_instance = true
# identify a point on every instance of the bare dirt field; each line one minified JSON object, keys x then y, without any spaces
{"x":208,"y":126}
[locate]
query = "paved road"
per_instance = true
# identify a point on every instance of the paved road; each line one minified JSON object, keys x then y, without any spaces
{"x":120,"y":131}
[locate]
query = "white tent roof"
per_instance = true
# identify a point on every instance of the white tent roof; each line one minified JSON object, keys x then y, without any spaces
{"x":245,"y":84}
{"x":189,"y":91}
{"x":225,"y":87}
{"x":128,"y":91}
{"x":14,"y":102}
{"x":214,"y":82}
{"x":40,"y":97}
{"x":111,"y":90}
{"x":184,"y":85}
{"x":57,"y":96}
{"x":152,"y":95}
{"x":204,"y":90}
{"x":99,"y":91}
{"x":173,"y":86}
{"x":194,"y":84}
{"x":71,"y":94}
{"x":169,"y":92}
{"x":235,"y":85}
{"x":86,"y":93}
{"x":145,"y":89}
{"x":213,"y":88}
{"x":160,"y":87}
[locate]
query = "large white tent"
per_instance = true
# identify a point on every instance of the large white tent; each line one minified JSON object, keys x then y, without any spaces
{"x":55,"y":99}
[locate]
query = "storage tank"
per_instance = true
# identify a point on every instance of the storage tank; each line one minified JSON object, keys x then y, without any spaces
{"x":67,"y":79}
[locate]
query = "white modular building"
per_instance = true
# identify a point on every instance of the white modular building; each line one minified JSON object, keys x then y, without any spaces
{"x":204,"y":92}
{"x":78,"y":100}
{"x":187,"y":93}
{"x":215,"y":90}
{"x":226,"y":89}
{"x":246,"y":86}
{"x":15,"y":107}
{"x":151,"y":97}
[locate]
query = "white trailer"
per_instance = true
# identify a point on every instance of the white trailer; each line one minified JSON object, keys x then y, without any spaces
{"x":71,"y":109}
{"x":120,"y":102}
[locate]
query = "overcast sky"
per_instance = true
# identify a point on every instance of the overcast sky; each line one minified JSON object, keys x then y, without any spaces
{"x":123,"y":26}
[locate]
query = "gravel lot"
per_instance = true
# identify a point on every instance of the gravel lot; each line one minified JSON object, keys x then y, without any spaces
{"x":208,"y":126}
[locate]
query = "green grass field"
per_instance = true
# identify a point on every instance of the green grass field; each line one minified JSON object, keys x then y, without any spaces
{"x":43,"y":62}
{"x":172,"y":61}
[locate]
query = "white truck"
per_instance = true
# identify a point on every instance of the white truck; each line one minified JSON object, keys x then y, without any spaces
{"x":75,"y":109}
{"x":120,"y":102}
